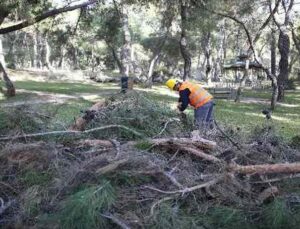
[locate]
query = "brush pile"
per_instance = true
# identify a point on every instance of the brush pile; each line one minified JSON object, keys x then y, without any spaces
{"x":155,"y":173}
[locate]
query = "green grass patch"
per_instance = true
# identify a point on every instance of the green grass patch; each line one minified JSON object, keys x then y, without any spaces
{"x":64,"y":88}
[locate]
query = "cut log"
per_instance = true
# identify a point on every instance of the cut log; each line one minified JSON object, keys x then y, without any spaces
{"x":201,"y":154}
{"x":200,"y":143}
{"x":111,"y":167}
{"x":81,"y":122}
{"x":96,"y":142}
{"x":265,"y":168}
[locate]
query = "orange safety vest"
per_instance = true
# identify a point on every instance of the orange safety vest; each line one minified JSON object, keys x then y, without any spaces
{"x":198,"y":96}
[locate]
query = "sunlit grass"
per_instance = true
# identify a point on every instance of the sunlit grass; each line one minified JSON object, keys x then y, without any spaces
{"x":244,"y":115}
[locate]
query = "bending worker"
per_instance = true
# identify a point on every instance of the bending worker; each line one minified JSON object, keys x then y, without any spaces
{"x":196,"y":96}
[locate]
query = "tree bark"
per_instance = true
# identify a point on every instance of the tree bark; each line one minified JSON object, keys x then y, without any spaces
{"x":183,"y":40}
{"x":273,"y":53}
{"x":126,"y":49}
{"x":284,"y":50}
{"x":207,"y":51}
{"x":10,"y":88}
{"x":2,"y":59}
{"x":116,"y":58}
{"x":266,"y":168}
{"x":273,"y":78}
{"x":284,"y":47}
{"x":242,"y":82}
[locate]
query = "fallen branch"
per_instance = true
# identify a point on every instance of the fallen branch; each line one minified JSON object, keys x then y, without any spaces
{"x":96,"y":142}
{"x":116,"y":220}
{"x":265,"y":168}
{"x":111,"y":167}
{"x":277,"y":179}
{"x":173,"y":142}
{"x":190,"y":189}
{"x":158,"y":203}
{"x":165,"y":127}
{"x":70,"y":132}
{"x":90,"y":114}
{"x":201,"y":154}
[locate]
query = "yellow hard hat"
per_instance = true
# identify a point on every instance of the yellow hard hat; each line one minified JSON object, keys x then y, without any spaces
{"x":171,"y":83}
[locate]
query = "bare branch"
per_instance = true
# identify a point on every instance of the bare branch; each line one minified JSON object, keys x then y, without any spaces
{"x":272,"y":12}
{"x":190,"y":189}
{"x":70,"y":132}
{"x":266,"y":168}
{"x":116,"y":220}
{"x":43,"y":16}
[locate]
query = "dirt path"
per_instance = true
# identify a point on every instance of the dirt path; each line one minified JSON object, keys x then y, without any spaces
{"x":46,"y":98}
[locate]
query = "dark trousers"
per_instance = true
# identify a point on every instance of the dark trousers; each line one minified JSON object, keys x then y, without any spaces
{"x":204,"y":115}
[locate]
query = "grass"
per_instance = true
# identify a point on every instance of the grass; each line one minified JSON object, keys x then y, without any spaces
{"x":246,"y":116}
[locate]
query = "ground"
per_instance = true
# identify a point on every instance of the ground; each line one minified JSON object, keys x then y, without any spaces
{"x":68,"y":99}
{"x":146,"y":168}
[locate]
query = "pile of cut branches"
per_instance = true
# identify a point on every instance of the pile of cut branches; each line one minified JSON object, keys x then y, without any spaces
{"x":160,"y":175}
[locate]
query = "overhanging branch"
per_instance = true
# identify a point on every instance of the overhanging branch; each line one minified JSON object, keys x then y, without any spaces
{"x":43,"y":16}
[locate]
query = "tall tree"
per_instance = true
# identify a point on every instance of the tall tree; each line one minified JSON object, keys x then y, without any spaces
{"x":184,"y":40}
{"x":284,"y":46}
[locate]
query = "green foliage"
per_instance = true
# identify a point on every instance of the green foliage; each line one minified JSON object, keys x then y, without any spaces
{"x":295,"y":141}
{"x":140,"y":112}
{"x":32,"y":177}
{"x":225,"y":217}
{"x":143,"y":145}
{"x":17,"y":119}
{"x":277,"y":215}
{"x":168,"y":216}
{"x":82,"y":209}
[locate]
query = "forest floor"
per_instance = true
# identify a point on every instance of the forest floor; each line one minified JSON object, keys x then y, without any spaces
{"x":144,"y":167}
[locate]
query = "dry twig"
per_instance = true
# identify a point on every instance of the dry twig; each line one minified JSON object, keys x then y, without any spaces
{"x":70,"y":132}
{"x":190,"y":189}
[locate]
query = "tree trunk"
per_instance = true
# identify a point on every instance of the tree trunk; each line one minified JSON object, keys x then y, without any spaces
{"x":10,"y":88}
{"x":284,"y":50}
{"x":37,"y":50}
{"x":275,"y":88}
{"x":45,"y":52}
{"x":154,"y":59}
{"x":61,"y":63}
{"x":242,"y":82}
{"x":126,"y":49}
{"x":273,"y":53}
{"x":2,"y":59}
{"x":183,"y":41}
{"x":207,"y":51}
{"x":116,"y":58}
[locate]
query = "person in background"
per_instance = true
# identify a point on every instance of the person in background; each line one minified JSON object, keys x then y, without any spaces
{"x":199,"y":98}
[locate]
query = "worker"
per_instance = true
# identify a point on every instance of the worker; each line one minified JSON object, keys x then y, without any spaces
{"x":196,"y":96}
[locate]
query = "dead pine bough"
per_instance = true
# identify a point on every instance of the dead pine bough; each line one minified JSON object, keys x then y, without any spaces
{"x":149,"y":174}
